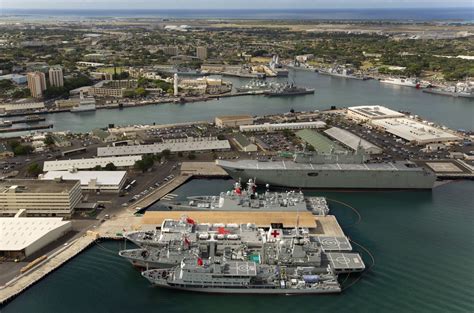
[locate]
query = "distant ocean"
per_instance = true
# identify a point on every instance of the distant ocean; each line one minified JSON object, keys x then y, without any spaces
{"x":409,"y":14}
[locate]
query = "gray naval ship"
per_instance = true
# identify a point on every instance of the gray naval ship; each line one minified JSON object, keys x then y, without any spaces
{"x":243,"y":277}
{"x":240,"y":199}
{"x":343,"y":170}
{"x":288,"y":263}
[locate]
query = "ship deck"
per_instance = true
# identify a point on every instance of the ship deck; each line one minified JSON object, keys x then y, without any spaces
{"x":318,"y":225}
{"x":290,"y":165}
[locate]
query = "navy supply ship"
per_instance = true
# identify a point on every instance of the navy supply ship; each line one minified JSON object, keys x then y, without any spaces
{"x":288,"y":263}
{"x":222,"y":276}
{"x":460,"y":90}
{"x":186,"y":229}
{"x":256,"y":85}
{"x":276,"y":246}
{"x":334,"y":171}
{"x":240,"y":199}
{"x":342,"y":72}
{"x":288,"y":90}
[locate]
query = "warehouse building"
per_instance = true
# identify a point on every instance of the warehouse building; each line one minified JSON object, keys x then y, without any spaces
{"x":20,"y":237}
{"x":281,"y":126}
{"x":83,"y":164}
{"x":100,"y":181}
{"x":233,"y":120}
{"x":39,"y":198}
{"x":352,"y":141}
{"x":22,"y":106}
{"x":174,"y":145}
{"x":320,"y":143}
{"x":371,"y":112}
{"x":244,"y":143}
{"x":414,"y":131}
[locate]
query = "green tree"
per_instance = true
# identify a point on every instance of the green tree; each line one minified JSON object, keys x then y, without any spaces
{"x":22,"y":149}
{"x":166,"y":153}
{"x":49,"y":141}
{"x":191,"y":156}
{"x":140,"y":92}
{"x":110,"y":167}
{"x":34,"y":169}
{"x":97,"y":168}
{"x":145,"y":163}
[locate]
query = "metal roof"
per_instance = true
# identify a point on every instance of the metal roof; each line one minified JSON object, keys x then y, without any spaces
{"x":103,"y":177}
{"x":62,"y":165}
{"x":17,"y":233}
{"x":321,"y":143}
{"x":351,"y":140}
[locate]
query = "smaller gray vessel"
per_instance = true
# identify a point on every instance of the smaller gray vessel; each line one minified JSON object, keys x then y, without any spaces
{"x":249,"y":199}
{"x":339,"y":71}
{"x":221,"y":276}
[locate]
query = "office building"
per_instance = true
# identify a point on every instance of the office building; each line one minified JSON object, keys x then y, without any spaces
{"x":39,"y":197}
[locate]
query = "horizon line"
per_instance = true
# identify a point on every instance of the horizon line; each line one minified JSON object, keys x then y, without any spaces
{"x":254,"y":9}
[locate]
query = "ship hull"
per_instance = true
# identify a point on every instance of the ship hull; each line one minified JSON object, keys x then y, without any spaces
{"x":449,"y":93}
{"x":289,"y":94}
{"x":334,"y":179}
{"x":142,"y":264}
{"x":260,"y":290}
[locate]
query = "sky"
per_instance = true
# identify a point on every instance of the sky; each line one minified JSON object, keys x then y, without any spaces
{"x":228,"y":4}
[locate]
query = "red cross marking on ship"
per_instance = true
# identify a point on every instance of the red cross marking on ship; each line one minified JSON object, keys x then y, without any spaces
{"x":275,"y":233}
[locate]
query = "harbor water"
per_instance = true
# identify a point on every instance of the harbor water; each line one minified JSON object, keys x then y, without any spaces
{"x":455,"y":113}
{"x":422,"y":242}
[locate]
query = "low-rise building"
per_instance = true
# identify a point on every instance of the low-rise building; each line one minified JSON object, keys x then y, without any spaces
{"x":109,"y":181}
{"x":39,"y":198}
{"x":244,"y":143}
{"x":414,"y":131}
{"x":67,"y":103}
{"x":319,"y":142}
{"x":233,"y":120}
{"x":281,"y":126}
{"x":352,"y":141}
{"x":5,"y":151}
{"x":16,"y":78}
{"x":21,"y":106}
{"x":104,"y":135}
{"x":83,"y":164}
{"x":22,"y":237}
{"x":174,"y":145}
{"x":371,"y":112}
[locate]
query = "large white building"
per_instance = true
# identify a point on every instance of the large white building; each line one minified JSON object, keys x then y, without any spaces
{"x":371,"y":112}
{"x":20,"y":237}
{"x":352,"y":141}
{"x":110,"y":181}
{"x":82,"y":164}
{"x":174,"y":145}
{"x":414,"y":131}
{"x":39,"y":198}
{"x":281,"y":126}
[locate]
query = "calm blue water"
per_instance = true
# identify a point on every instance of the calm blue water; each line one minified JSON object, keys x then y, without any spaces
{"x":423,"y":243}
{"x":453,"y":112}
{"x":420,"y":14}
